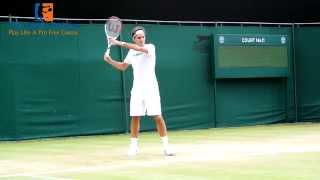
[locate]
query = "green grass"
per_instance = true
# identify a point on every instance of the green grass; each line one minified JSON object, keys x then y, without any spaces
{"x":281,"y":151}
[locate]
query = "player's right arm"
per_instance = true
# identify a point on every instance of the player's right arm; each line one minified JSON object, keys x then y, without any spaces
{"x":122,"y":66}
{"x":128,"y":45}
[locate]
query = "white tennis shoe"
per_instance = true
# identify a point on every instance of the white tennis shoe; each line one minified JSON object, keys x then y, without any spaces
{"x":133,"y":150}
{"x":169,"y":152}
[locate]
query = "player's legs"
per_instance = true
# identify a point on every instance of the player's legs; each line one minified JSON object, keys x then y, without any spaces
{"x":137,"y":109}
{"x":161,"y":125}
{"x":162,"y":130}
{"x":135,"y":126}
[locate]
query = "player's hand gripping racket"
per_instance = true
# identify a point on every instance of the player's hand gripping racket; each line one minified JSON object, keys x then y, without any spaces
{"x":112,"y":29}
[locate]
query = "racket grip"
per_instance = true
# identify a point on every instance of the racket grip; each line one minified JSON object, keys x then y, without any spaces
{"x":107,"y":52}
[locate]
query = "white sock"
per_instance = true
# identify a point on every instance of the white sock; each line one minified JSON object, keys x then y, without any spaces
{"x":134,"y":141}
{"x":165,"y":141}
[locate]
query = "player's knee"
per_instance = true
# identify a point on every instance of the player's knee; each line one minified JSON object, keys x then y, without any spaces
{"x":158,"y":117}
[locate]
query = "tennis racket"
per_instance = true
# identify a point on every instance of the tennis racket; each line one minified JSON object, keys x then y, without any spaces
{"x":112,"y":28}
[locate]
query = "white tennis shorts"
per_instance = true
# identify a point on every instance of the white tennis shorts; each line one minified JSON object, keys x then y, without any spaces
{"x":141,"y":106}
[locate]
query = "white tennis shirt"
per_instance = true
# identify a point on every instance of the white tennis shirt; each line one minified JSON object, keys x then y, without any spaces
{"x":145,"y":84}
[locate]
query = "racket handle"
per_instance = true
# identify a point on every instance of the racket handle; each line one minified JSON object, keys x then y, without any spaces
{"x":108,"y":51}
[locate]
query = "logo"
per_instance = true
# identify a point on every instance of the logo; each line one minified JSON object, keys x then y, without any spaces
{"x":202,"y":44}
{"x":43,"y":12}
{"x":138,"y":54}
{"x":283,"y":40}
{"x":221,"y":39}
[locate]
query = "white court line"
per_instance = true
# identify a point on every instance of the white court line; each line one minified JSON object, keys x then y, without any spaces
{"x":48,"y":177}
{"x":37,"y":177}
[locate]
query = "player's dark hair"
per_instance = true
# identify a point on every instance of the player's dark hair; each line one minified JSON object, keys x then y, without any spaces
{"x":137,"y":28}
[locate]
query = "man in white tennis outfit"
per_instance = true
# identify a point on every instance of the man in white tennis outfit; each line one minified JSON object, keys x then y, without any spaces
{"x":145,"y":96}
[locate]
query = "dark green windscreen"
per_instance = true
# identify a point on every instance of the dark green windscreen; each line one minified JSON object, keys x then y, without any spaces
{"x":59,"y":85}
{"x":307,"y":46}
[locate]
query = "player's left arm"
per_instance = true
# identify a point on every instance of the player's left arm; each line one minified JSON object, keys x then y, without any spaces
{"x":129,"y":45}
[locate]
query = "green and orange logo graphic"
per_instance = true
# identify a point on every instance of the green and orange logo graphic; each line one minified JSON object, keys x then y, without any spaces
{"x":43,"y":12}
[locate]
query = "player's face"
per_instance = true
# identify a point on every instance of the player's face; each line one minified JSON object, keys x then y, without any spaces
{"x":139,"y":39}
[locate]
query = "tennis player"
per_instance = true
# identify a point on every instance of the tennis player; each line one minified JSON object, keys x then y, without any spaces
{"x":145,"y":96}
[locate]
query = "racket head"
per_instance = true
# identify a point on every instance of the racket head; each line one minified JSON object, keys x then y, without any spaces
{"x":113,"y":27}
